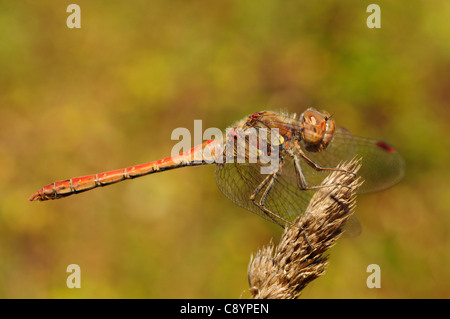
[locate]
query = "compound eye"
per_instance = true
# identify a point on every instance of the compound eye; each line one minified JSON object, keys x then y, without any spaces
{"x":314,"y":126}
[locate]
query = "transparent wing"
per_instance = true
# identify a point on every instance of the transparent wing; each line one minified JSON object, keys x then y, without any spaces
{"x":382,"y":166}
{"x":353,"y":227}
{"x":238,"y":181}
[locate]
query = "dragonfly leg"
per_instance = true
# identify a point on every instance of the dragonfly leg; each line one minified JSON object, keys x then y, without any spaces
{"x":318,"y":167}
{"x":269,"y":213}
{"x":258,"y":204}
{"x":301,"y":181}
{"x":269,"y":181}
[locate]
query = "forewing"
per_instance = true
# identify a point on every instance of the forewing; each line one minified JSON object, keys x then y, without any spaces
{"x":382,"y":166}
{"x":239,"y":181}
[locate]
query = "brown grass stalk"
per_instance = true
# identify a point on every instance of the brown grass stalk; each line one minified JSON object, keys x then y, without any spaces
{"x":283,"y":271}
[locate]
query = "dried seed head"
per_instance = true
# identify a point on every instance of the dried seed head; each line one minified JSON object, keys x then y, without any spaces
{"x":282,"y":272}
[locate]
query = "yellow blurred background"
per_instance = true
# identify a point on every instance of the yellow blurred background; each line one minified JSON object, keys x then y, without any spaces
{"x":75,"y":102}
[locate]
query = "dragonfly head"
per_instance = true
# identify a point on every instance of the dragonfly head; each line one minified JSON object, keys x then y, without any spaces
{"x":317,"y":129}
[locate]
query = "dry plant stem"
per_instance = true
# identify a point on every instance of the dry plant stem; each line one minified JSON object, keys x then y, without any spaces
{"x":282,"y":272}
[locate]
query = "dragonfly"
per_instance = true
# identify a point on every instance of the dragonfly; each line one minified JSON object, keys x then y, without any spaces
{"x":307,"y":149}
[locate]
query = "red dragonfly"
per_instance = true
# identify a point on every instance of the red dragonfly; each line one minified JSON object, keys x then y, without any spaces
{"x":307,"y":149}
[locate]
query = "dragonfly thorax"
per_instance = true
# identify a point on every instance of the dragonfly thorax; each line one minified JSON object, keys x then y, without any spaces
{"x":316,"y":129}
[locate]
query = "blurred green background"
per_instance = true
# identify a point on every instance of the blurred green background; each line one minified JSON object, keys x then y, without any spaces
{"x":75,"y":102}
